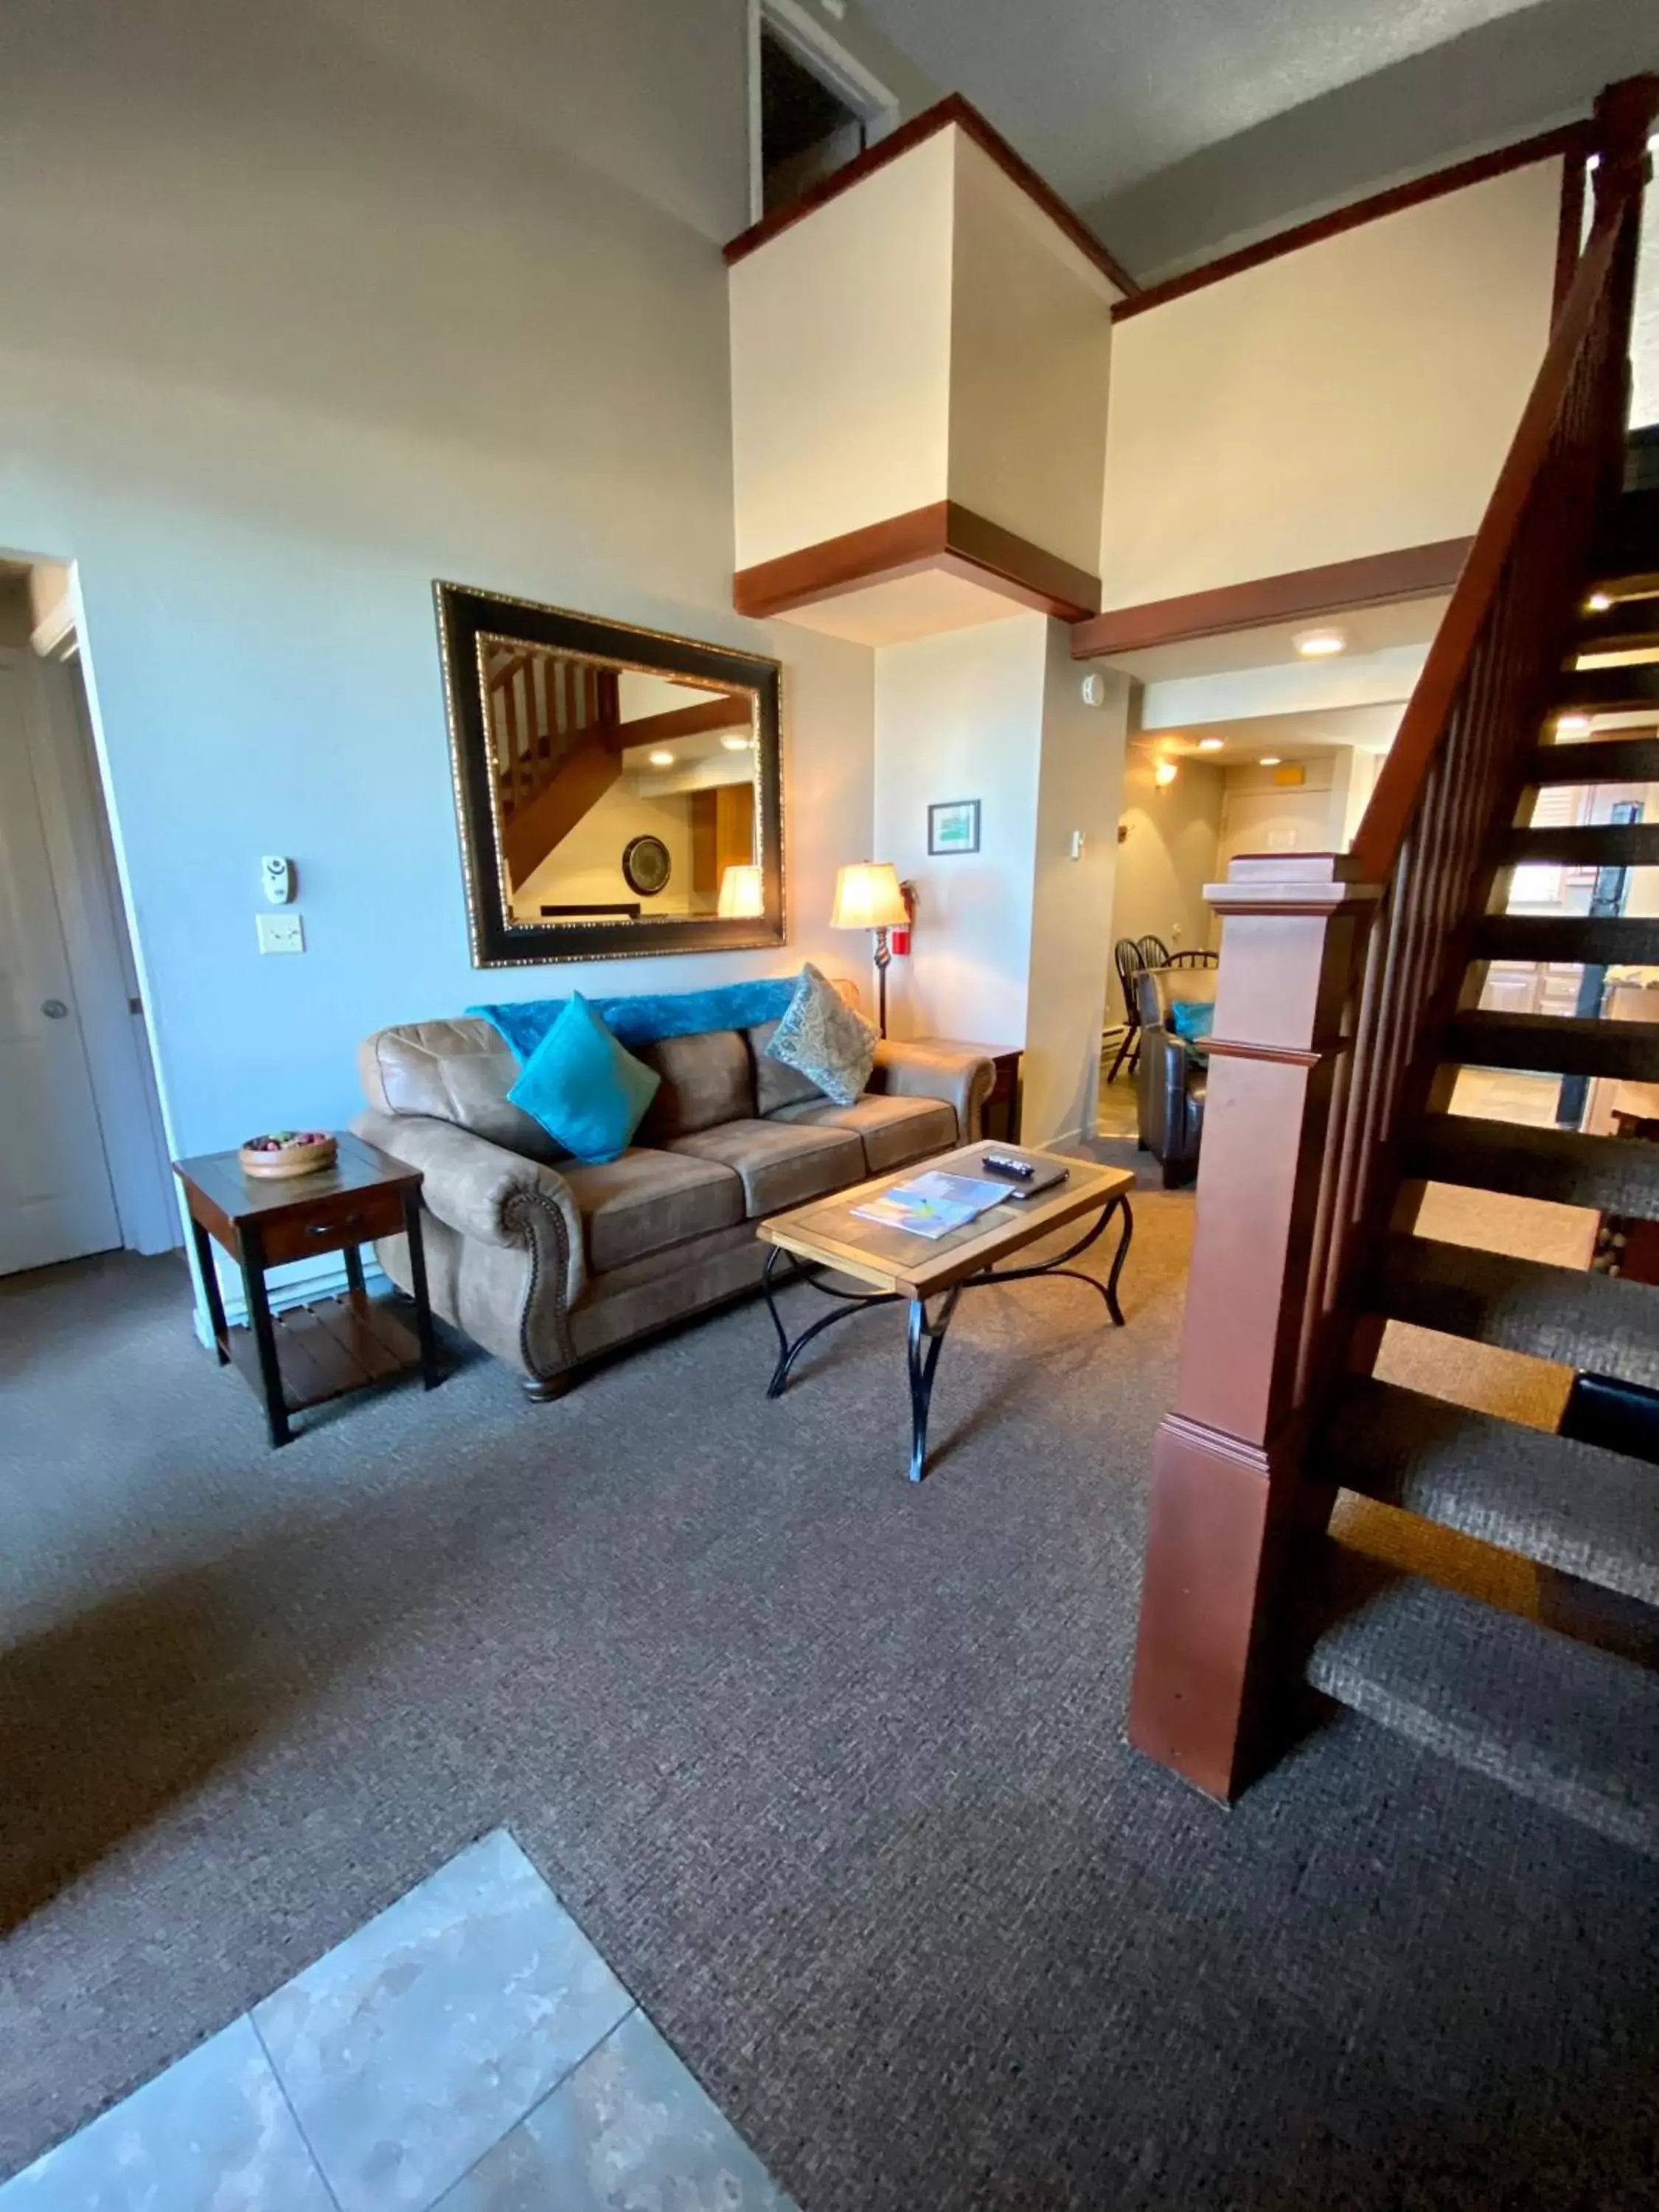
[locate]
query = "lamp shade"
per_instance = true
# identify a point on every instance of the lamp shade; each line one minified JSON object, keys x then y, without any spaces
{"x":741,"y":893}
{"x":867,"y":897}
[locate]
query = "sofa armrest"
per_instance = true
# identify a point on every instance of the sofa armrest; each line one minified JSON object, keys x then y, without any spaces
{"x":483,"y":1191}
{"x":961,"y":1079}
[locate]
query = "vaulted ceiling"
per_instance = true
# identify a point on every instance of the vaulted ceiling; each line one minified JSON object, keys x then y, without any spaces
{"x":1178,"y":123}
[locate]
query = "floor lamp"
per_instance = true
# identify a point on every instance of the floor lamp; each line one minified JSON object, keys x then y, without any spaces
{"x":867,"y":897}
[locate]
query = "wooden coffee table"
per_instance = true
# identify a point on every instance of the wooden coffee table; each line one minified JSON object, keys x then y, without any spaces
{"x":828,"y":1239}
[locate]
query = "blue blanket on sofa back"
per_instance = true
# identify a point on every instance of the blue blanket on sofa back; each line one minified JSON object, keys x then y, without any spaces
{"x":647,"y":1018}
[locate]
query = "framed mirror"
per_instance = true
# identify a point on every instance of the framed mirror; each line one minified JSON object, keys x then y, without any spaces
{"x":618,"y":790}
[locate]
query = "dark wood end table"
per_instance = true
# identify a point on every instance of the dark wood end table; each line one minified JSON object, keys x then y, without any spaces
{"x":309,"y":1353}
{"x":1001,"y":1116}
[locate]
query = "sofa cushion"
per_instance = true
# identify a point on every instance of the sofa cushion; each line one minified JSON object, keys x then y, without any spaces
{"x":777,"y":1085}
{"x":458,"y":1072}
{"x":706,"y":1080}
{"x":647,"y":1201}
{"x":825,"y":1039}
{"x":780,"y":1163}
{"x":892,"y":1131}
{"x":588,"y":1092}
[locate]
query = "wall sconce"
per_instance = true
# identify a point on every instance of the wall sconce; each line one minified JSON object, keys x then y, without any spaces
{"x":743,"y":896}
{"x":1165,"y":774}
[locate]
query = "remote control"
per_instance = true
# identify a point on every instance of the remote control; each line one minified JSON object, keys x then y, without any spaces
{"x":1000,"y":1164}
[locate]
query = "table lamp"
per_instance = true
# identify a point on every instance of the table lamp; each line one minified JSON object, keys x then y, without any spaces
{"x":867,"y":897}
{"x":741,"y":893}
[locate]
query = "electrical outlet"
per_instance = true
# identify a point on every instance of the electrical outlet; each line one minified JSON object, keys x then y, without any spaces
{"x":280,"y":933}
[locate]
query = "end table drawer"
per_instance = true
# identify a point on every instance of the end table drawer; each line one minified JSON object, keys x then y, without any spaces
{"x":358,"y":1219}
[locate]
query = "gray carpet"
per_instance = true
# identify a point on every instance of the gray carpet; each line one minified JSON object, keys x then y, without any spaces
{"x":829,"y":1768}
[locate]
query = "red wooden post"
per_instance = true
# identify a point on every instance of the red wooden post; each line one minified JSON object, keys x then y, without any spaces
{"x":1227,"y":1464}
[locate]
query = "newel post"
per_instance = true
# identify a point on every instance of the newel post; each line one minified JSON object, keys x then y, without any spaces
{"x":1226,"y":1462}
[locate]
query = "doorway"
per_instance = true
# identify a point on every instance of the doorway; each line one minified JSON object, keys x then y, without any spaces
{"x":83,"y":1167}
{"x":814,"y":106}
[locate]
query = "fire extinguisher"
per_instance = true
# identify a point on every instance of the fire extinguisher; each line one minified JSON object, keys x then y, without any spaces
{"x":901,"y":938}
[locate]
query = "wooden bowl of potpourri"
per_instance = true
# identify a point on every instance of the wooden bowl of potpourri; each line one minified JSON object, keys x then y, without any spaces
{"x":287,"y":1152}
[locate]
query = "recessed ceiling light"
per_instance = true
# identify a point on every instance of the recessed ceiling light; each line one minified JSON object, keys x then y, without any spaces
{"x":736,"y":745}
{"x":1598,"y":603}
{"x":661,"y":758}
{"x":1321,"y":644}
{"x":1270,"y":760}
{"x":1210,"y":744}
{"x":1165,"y":773}
{"x":1572,"y":726}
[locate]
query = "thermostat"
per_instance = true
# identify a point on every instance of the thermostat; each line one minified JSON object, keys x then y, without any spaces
{"x":276,"y":878}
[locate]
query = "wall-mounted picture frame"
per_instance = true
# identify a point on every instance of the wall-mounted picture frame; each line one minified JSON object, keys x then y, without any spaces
{"x":953,"y":826}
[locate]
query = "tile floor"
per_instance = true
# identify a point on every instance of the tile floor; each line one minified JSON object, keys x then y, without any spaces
{"x":467,"y":2051}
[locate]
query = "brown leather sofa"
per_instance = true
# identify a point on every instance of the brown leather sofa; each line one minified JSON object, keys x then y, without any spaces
{"x":548,"y":1263}
{"x":1170,"y":1084}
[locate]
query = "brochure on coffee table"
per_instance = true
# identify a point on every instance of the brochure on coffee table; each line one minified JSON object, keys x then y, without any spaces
{"x":934,"y":1204}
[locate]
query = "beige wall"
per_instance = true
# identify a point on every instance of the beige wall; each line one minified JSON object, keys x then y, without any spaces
{"x":1080,"y":788}
{"x":585,"y":868}
{"x":1258,"y":816}
{"x":1009,"y":947}
{"x":1352,"y":398}
{"x":1031,"y":348}
{"x":841,"y":360}
{"x":1168,"y":855}
{"x":930,"y":333}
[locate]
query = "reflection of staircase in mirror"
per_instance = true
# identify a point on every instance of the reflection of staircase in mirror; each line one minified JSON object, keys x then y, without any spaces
{"x":556,"y":723}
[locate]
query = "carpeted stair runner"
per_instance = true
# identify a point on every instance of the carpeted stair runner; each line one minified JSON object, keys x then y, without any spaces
{"x":1558,"y":1720}
{"x":1587,"y":1512}
{"x":1597,"y":1322}
{"x":1610,"y":1175}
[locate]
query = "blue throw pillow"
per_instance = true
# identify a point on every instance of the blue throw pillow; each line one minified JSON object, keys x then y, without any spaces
{"x":1193,"y":1019}
{"x":587,"y":1092}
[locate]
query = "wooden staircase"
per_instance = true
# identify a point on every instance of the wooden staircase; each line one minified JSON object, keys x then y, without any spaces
{"x":1348,"y":1006}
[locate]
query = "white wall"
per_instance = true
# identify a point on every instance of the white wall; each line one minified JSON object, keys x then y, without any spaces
{"x":304,"y":308}
{"x":1030,"y":351}
{"x":961,"y":717}
{"x":1009,"y":947}
{"x":1081,"y":789}
{"x":1352,"y":398}
{"x":841,"y":360}
{"x":1168,"y":855}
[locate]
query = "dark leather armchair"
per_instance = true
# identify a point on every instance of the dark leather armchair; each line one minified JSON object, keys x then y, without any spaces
{"x":1169,"y":1097}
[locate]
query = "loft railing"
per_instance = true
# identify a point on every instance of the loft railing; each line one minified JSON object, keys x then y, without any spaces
{"x":1338,"y":973}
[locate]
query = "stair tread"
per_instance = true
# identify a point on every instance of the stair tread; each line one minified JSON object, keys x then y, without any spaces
{"x":1609,"y":690}
{"x":1601,"y":1324}
{"x":1612,"y":1175}
{"x":1573,"y":1506}
{"x":1564,"y":1723}
{"x":1597,"y":760}
{"x":1628,"y":625}
{"x":1601,"y":940}
{"x":1605,"y":845}
{"x":1556,"y":1044}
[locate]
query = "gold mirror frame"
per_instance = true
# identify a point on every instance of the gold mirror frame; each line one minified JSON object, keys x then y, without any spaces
{"x":469,"y":621}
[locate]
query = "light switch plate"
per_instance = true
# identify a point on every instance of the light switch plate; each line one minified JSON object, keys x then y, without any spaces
{"x":280,"y":933}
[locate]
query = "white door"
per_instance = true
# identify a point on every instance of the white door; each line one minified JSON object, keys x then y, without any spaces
{"x":56,"y":1202}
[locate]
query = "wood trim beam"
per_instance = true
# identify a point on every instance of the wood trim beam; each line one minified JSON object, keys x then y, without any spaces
{"x":945,"y":535}
{"x":953,"y":109}
{"x":678,"y":722}
{"x":1570,"y":140}
{"x":1375,"y":580}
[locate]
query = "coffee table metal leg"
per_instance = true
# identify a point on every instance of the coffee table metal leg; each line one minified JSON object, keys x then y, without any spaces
{"x":1120,"y":1256}
{"x":928,"y":1331}
{"x":852,"y":1302}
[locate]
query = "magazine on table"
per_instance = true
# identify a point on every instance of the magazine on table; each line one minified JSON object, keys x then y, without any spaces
{"x":934,"y":1204}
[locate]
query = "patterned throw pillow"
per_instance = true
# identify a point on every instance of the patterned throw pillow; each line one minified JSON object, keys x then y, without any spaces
{"x":822,"y":1038}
